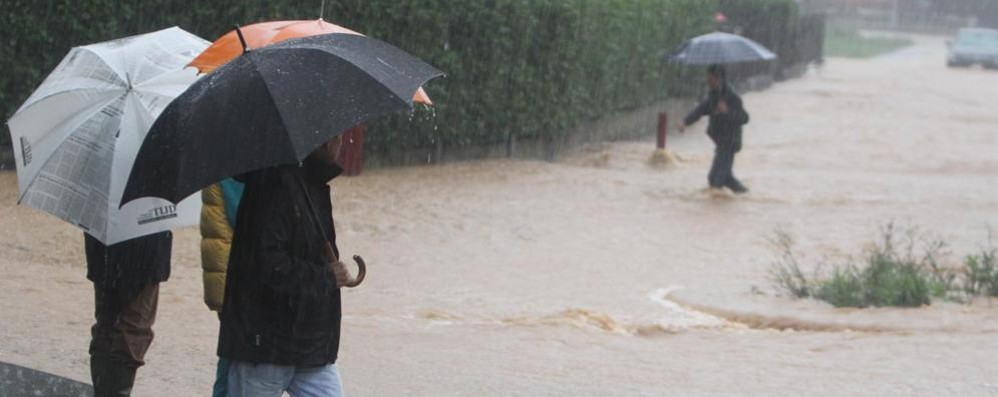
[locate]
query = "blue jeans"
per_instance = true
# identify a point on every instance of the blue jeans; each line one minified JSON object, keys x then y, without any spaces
{"x":266,"y":380}
{"x":221,"y":387}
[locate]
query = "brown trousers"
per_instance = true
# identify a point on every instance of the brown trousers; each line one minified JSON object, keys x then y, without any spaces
{"x":123,"y":331}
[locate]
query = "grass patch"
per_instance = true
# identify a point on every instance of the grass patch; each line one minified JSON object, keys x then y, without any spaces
{"x":785,"y":271}
{"x":982,"y":273}
{"x":900,"y":270}
{"x":846,"y":43}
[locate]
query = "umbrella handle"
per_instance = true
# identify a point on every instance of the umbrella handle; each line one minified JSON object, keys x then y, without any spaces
{"x":361,"y":272}
{"x":361,"y":266}
{"x":242,"y":40}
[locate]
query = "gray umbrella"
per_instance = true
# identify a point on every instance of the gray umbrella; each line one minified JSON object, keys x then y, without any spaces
{"x":720,"y":48}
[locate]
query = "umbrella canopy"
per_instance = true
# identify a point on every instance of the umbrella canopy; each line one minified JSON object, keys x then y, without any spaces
{"x":272,"y":106}
{"x":77,"y":135}
{"x":720,"y":48}
{"x":257,"y":35}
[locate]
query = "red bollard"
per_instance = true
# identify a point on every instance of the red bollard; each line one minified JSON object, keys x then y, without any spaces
{"x":352,"y":152}
{"x":663,"y":123}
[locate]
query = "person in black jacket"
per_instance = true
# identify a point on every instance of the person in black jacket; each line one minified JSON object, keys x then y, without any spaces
{"x":727,"y":116}
{"x":126,"y":279}
{"x":281,"y":313}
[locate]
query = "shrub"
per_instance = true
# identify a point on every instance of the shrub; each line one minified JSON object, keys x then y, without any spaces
{"x":982,"y":273}
{"x":844,"y":289}
{"x":899,"y":270}
{"x":785,"y":272}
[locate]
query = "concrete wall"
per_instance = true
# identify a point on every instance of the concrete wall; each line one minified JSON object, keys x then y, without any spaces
{"x":633,"y":124}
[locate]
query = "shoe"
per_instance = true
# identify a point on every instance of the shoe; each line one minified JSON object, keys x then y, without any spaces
{"x":111,"y":379}
{"x":739,"y":189}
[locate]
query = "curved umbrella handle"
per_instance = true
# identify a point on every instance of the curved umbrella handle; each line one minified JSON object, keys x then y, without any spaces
{"x":361,"y":272}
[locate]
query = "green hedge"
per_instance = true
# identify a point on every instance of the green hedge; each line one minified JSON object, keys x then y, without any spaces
{"x":529,"y":68}
{"x":773,"y":23}
{"x":778,"y":25}
{"x":533,"y":68}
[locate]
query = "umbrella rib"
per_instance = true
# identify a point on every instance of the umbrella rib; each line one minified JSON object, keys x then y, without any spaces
{"x":71,"y":90}
{"x":122,"y":79}
{"x":280,"y":112}
{"x":409,"y":96}
{"x":49,"y":159}
{"x":181,"y":175}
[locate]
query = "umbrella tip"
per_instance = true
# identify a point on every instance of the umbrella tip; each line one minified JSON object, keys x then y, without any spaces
{"x":242,"y":40}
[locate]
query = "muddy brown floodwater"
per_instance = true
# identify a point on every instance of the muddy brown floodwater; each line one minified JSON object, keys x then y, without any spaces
{"x":600,"y":275}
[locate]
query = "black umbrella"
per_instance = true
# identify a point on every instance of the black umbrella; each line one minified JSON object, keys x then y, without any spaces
{"x":720,"y":48}
{"x":272,"y":106}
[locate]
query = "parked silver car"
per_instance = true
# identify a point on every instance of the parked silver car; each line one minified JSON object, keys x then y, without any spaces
{"x":974,"y":46}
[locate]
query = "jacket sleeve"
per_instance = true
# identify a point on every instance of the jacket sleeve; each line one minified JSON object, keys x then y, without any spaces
{"x":216,"y":239}
{"x":279,"y":266}
{"x":701,"y":110}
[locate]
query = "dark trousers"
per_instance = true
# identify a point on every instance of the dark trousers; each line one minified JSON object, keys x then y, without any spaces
{"x":721,"y":173}
{"x":121,"y":336}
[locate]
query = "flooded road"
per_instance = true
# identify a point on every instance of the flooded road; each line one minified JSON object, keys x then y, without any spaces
{"x":601,"y":275}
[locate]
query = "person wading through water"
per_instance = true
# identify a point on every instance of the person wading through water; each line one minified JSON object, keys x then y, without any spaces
{"x":727,"y":116}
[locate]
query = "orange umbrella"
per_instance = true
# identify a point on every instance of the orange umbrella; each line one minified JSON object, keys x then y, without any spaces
{"x":261,"y":34}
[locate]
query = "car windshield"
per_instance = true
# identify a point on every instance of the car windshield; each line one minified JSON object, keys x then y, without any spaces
{"x":978,"y":38}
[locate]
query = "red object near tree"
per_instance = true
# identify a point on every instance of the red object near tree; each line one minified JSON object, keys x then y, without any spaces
{"x":352,"y":152}
{"x":663,"y":124}
{"x":720,"y":17}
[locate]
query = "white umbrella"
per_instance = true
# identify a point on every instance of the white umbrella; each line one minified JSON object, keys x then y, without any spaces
{"x":720,"y":48}
{"x":76,"y":137}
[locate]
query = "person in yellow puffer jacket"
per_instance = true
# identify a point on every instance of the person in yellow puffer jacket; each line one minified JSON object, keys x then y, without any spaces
{"x":218,"y":217}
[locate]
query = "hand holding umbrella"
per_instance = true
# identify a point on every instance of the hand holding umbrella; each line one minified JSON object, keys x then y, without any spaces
{"x":339,"y":269}
{"x":722,"y":107}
